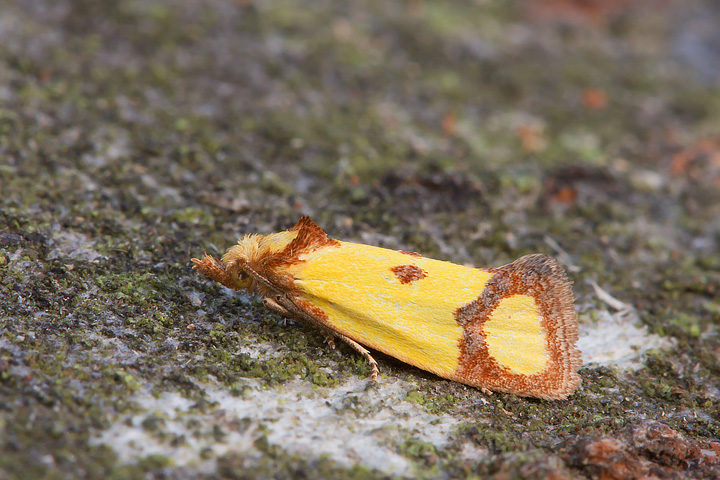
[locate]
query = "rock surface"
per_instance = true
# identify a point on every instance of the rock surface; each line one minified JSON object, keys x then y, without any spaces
{"x":135,"y":135}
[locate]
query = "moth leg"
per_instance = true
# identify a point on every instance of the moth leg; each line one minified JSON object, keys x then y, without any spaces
{"x":260,"y":280}
{"x":272,"y":304}
{"x":293,"y":311}
{"x":329,"y":338}
{"x":362,"y":351}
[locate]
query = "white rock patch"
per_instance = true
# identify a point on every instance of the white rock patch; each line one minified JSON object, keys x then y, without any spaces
{"x":346,"y":423}
{"x":615,"y":339}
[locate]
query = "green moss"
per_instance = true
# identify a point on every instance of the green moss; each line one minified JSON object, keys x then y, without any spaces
{"x":415,"y":397}
{"x":192,"y":215}
{"x":154,"y":463}
{"x":423,"y":453}
{"x":322,"y":379}
{"x":286,"y":467}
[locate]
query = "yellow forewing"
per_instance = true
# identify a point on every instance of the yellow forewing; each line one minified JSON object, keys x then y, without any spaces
{"x":365,"y":300}
{"x":515,"y":337}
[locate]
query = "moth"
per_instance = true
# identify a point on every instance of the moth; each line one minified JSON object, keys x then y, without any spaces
{"x":511,"y":328}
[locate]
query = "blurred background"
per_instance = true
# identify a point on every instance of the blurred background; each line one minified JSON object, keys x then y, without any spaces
{"x":135,"y":135}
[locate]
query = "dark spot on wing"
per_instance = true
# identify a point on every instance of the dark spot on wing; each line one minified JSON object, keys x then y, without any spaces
{"x":408,"y":273}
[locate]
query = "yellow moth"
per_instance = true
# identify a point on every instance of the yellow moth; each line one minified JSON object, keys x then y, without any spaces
{"x":510,"y":329}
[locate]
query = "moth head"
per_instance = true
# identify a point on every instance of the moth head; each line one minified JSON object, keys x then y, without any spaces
{"x":243,"y":280}
{"x":252,"y":252}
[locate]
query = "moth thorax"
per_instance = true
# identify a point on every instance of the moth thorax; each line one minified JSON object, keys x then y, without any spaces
{"x":254,"y":249}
